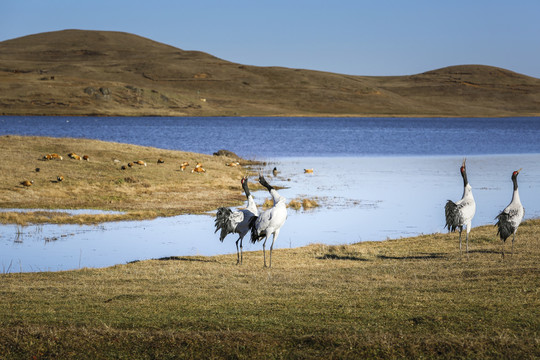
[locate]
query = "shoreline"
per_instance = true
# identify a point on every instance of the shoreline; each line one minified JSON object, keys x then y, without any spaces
{"x":106,"y":181}
{"x":478,"y":240}
{"x":337,"y":116}
{"x":404,"y":298}
{"x":372,"y":203}
{"x":32,"y":215}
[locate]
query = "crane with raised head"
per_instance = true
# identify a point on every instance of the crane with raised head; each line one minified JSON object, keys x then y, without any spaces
{"x":510,"y":218}
{"x":237,"y":222}
{"x":270,"y":221}
{"x":459,"y":214}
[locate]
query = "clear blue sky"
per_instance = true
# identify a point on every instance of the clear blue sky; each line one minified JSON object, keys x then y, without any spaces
{"x":384,"y":37}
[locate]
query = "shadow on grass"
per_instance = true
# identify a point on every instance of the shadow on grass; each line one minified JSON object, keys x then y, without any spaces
{"x":178,"y":258}
{"x":186,"y":258}
{"x":340,"y":257}
{"x":414,"y":257}
{"x":485,"y":251}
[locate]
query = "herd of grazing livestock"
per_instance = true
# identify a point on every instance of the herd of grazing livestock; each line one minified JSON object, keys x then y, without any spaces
{"x":59,"y":178}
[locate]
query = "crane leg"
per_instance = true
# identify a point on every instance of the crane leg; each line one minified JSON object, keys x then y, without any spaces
{"x":459,"y":242}
{"x":241,"y":252}
{"x":513,"y":238}
{"x":238,"y":252}
{"x":274,"y":237}
{"x":264,"y":252}
{"x":467,"y":242}
{"x":502,"y":248}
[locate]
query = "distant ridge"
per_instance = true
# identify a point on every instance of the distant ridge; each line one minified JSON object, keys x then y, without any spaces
{"x":80,"y":72}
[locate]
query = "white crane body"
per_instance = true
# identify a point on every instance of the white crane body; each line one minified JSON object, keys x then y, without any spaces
{"x":460,"y":214}
{"x":238,"y":222}
{"x":512,"y":215}
{"x":269,"y":222}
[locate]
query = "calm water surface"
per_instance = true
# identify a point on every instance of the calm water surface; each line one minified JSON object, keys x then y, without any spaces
{"x":294,"y":137}
{"x":375,"y":178}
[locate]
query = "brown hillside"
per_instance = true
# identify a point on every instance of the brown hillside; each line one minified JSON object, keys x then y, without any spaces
{"x":75,"y":72}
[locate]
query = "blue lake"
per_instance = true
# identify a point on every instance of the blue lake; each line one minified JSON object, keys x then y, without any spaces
{"x":375,"y":178}
{"x":298,"y":137}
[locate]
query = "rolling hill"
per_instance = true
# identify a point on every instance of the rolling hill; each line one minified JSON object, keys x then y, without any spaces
{"x":78,"y":72}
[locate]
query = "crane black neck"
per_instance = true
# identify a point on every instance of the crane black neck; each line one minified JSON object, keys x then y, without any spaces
{"x":246,"y":189}
{"x":514,"y":180}
{"x":265,"y":184}
{"x":464,"y":174}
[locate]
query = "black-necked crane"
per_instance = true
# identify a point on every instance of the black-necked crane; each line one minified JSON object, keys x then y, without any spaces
{"x":270,"y":221}
{"x":460,"y":214}
{"x":275,"y":171}
{"x":510,"y":218}
{"x":237,"y":222}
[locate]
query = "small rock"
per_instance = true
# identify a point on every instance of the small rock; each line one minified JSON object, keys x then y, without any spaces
{"x":226,"y":153}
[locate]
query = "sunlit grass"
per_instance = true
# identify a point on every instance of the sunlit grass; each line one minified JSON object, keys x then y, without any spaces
{"x":295,"y":204}
{"x":139,"y":191}
{"x":406,"y":298}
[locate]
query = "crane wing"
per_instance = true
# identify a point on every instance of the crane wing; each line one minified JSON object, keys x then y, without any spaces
{"x":227,"y":220}
{"x":458,"y":214}
{"x":451,"y":212}
{"x":505,"y":228}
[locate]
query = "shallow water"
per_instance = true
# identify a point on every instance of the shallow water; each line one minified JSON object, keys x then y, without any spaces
{"x":375,"y":179}
{"x":68,"y":211}
{"x":362,"y":198}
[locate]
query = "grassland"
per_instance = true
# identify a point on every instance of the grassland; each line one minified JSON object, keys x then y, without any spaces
{"x":140,"y":192}
{"x":406,"y":298}
{"x":76,"y":72}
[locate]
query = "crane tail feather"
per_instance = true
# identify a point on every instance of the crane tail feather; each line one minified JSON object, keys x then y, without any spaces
{"x":254,"y":231}
{"x":223,"y":222}
{"x":452,"y":216}
{"x":504,"y":227}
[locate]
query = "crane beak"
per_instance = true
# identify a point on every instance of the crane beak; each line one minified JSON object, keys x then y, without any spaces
{"x":519,"y":170}
{"x":465,"y":159}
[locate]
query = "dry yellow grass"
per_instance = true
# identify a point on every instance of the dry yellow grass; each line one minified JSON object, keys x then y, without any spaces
{"x":157,"y":189}
{"x":75,"y":72}
{"x":309,"y":203}
{"x":295,"y":204}
{"x":405,"y":298}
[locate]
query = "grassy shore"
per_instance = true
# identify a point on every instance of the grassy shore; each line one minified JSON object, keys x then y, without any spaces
{"x":141,"y":192}
{"x":406,"y":298}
